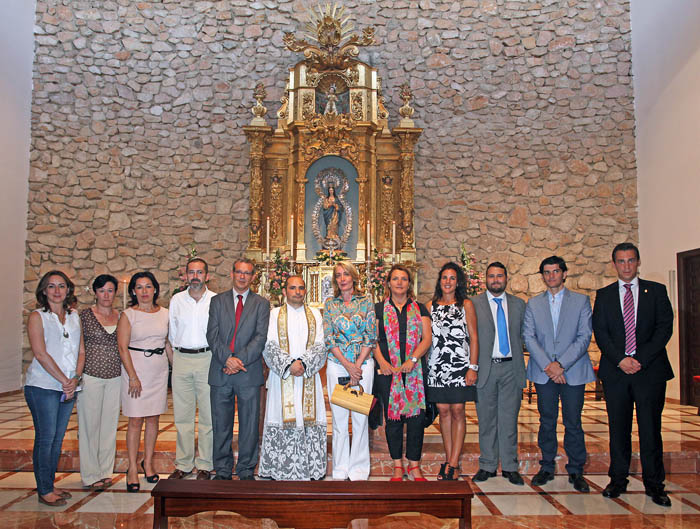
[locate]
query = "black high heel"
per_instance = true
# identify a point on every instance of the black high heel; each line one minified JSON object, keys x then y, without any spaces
{"x":132,"y":487}
{"x":151,"y":479}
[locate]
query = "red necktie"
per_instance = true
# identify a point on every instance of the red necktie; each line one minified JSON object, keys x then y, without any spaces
{"x":239,"y":311}
{"x":628,"y":317}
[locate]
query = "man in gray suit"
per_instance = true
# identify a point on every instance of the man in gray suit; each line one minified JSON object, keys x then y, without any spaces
{"x":557,"y":332}
{"x":501,"y":376}
{"x":236,"y":334}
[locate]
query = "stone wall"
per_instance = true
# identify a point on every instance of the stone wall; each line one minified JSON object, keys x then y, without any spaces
{"x":137,"y":147}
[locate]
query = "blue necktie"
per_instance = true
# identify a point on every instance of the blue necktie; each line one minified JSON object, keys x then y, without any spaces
{"x":503,"y":344}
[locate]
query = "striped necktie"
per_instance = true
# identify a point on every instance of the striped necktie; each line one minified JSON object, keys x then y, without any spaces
{"x":629,"y":319}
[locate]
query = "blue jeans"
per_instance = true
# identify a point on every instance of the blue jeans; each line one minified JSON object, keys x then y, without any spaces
{"x":548,"y":396}
{"x":50,"y":417}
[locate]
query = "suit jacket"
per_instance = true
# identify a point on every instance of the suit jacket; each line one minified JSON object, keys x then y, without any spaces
{"x":653,"y":331}
{"x":568,"y":343}
{"x":250,"y":338}
{"x":486,"y":328}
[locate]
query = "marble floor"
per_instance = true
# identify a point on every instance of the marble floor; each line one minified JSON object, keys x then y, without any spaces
{"x":496,"y":503}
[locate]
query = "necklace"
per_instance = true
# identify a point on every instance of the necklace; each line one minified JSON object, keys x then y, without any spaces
{"x":63,"y":326}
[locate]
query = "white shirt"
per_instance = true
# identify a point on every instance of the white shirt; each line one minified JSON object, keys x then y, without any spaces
{"x":496,"y":353}
{"x":189,"y":319}
{"x":235,"y":298}
{"x":635,"y":295}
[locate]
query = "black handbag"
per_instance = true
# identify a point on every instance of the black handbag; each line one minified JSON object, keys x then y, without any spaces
{"x":431,"y":411}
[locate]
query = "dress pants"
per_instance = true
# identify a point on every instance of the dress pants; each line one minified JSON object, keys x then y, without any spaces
{"x":394,"y":428}
{"x":548,"y":396}
{"x":98,"y":418}
{"x":247,"y":400}
{"x":497,"y":409}
{"x":350,"y":462}
{"x":191,"y":391}
{"x":621,"y":397}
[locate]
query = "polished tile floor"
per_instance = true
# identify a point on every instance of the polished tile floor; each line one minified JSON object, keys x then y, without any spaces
{"x":496,"y":503}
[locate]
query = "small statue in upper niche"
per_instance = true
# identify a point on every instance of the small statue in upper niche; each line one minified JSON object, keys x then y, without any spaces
{"x":331,"y":107}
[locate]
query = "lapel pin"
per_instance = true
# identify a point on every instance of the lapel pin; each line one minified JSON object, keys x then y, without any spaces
{"x":645,"y":291}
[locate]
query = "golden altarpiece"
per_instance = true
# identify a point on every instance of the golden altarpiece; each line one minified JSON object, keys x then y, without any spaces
{"x":331,"y":177}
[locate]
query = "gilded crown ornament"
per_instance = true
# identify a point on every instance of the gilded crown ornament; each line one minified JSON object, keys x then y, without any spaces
{"x":335,"y":46}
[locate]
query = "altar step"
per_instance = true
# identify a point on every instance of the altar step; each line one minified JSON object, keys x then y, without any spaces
{"x":681,"y":432}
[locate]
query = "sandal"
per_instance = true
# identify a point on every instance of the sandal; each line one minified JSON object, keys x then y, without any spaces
{"x":441,"y":474}
{"x":415,"y":478}
{"x":98,"y":486}
{"x":450,"y":474}
{"x":60,"y":502}
{"x":397,"y":467}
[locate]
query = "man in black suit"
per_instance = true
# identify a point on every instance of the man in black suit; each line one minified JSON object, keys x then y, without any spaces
{"x":633,"y":322}
{"x":236,"y":333}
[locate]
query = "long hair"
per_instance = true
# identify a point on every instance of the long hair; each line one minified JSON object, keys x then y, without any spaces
{"x":350,"y":269}
{"x":43,"y":301}
{"x":460,"y":291}
{"x":133,"y":300}
{"x":402,"y":268}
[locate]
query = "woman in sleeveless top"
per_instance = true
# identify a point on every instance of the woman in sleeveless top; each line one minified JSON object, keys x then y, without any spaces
{"x":453,"y":362}
{"x":98,"y":409}
{"x":142,"y":335}
{"x":52,"y":378}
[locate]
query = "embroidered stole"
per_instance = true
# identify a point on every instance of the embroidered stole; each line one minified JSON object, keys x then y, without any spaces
{"x":406,"y":399}
{"x":309,"y":392}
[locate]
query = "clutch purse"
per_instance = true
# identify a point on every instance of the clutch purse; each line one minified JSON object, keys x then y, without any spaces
{"x":353,"y":399}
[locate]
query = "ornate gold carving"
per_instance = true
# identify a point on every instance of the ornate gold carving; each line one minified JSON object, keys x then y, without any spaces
{"x":406,"y":110}
{"x":328,"y":27}
{"x":357,"y":106}
{"x":387,"y":201}
{"x":307,"y":106}
{"x":352,"y":75}
{"x":329,"y":134}
{"x":275,"y":207}
{"x":257,"y":143}
{"x":259,"y":110}
{"x":406,"y":141}
{"x":282,"y":113}
{"x":382,"y":112}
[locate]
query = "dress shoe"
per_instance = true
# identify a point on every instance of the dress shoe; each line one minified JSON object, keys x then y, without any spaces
{"x":514,"y":477}
{"x":203,"y":474}
{"x":483,"y":475}
{"x":579,"y":483}
{"x":542,"y":477}
{"x":246,"y":477}
{"x":659,"y":497}
{"x":222,"y":477}
{"x":179,"y":474}
{"x":614,"y":489}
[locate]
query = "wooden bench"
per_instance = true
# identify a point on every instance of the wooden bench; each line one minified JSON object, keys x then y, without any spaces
{"x":311,"y":504}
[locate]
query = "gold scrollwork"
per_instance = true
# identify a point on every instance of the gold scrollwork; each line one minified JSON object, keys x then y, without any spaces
{"x":307,"y":106}
{"x":275,"y":207}
{"x":329,"y":134}
{"x":357,"y":106}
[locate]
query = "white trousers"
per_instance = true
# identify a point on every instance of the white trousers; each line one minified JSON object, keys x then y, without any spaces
{"x":98,"y":418}
{"x":349,"y":461}
{"x":191,"y":391}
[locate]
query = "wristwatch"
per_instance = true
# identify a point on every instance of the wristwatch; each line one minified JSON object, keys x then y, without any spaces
{"x":473,"y":367}
{"x":414,"y":360}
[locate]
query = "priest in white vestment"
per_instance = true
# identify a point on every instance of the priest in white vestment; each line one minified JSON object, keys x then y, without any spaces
{"x":294,"y":437}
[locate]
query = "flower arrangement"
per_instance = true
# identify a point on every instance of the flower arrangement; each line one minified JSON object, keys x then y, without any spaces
{"x":475,"y":279}
{"x":280,"y":270}
{"x":375,"y":278}
{"x":331,"y":257}
{"x":182,"y":276}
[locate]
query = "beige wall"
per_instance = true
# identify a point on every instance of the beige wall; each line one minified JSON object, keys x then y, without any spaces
{"x":16,"y":41}
{"x":666,"y":69}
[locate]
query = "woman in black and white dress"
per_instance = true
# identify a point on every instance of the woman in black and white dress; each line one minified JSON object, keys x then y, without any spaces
{"x":453,"y":361}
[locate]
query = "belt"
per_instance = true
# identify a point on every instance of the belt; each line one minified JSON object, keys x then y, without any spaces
{"x":499,"y":360}
{"x":149,"y":352}
{"x":193,"y":351}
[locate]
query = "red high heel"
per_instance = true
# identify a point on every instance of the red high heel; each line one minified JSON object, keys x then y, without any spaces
{"x":395,"y":467}
{"x":415,"y":478}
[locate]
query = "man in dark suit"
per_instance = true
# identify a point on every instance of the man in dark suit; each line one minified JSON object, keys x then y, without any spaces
{"x":501,"y":376}
{"x":236,"y":334}
{"x":633,"y":322}
{"x":557,"y":332}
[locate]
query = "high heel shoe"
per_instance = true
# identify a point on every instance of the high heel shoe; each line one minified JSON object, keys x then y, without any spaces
{"x":452,"y":473}
{"x":151,"y":479}
{"x":132,"y":487}
{"x":441,"y":474}
{"x":395,"y":478}
{"x":415,"y":478}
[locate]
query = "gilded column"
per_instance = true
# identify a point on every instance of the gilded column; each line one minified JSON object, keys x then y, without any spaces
{"x":256,"y":137}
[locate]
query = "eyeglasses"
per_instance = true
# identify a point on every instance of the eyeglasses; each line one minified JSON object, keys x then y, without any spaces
{"x":241,"y":273}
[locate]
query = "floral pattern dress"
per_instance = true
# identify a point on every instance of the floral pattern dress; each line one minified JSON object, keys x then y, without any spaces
{"x":449,"y":356}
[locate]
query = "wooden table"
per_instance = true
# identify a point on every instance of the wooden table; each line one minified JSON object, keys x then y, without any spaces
{"x":311,"y":504}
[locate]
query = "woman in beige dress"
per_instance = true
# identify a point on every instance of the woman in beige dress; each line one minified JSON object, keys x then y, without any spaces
{"x":142,"y":335}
